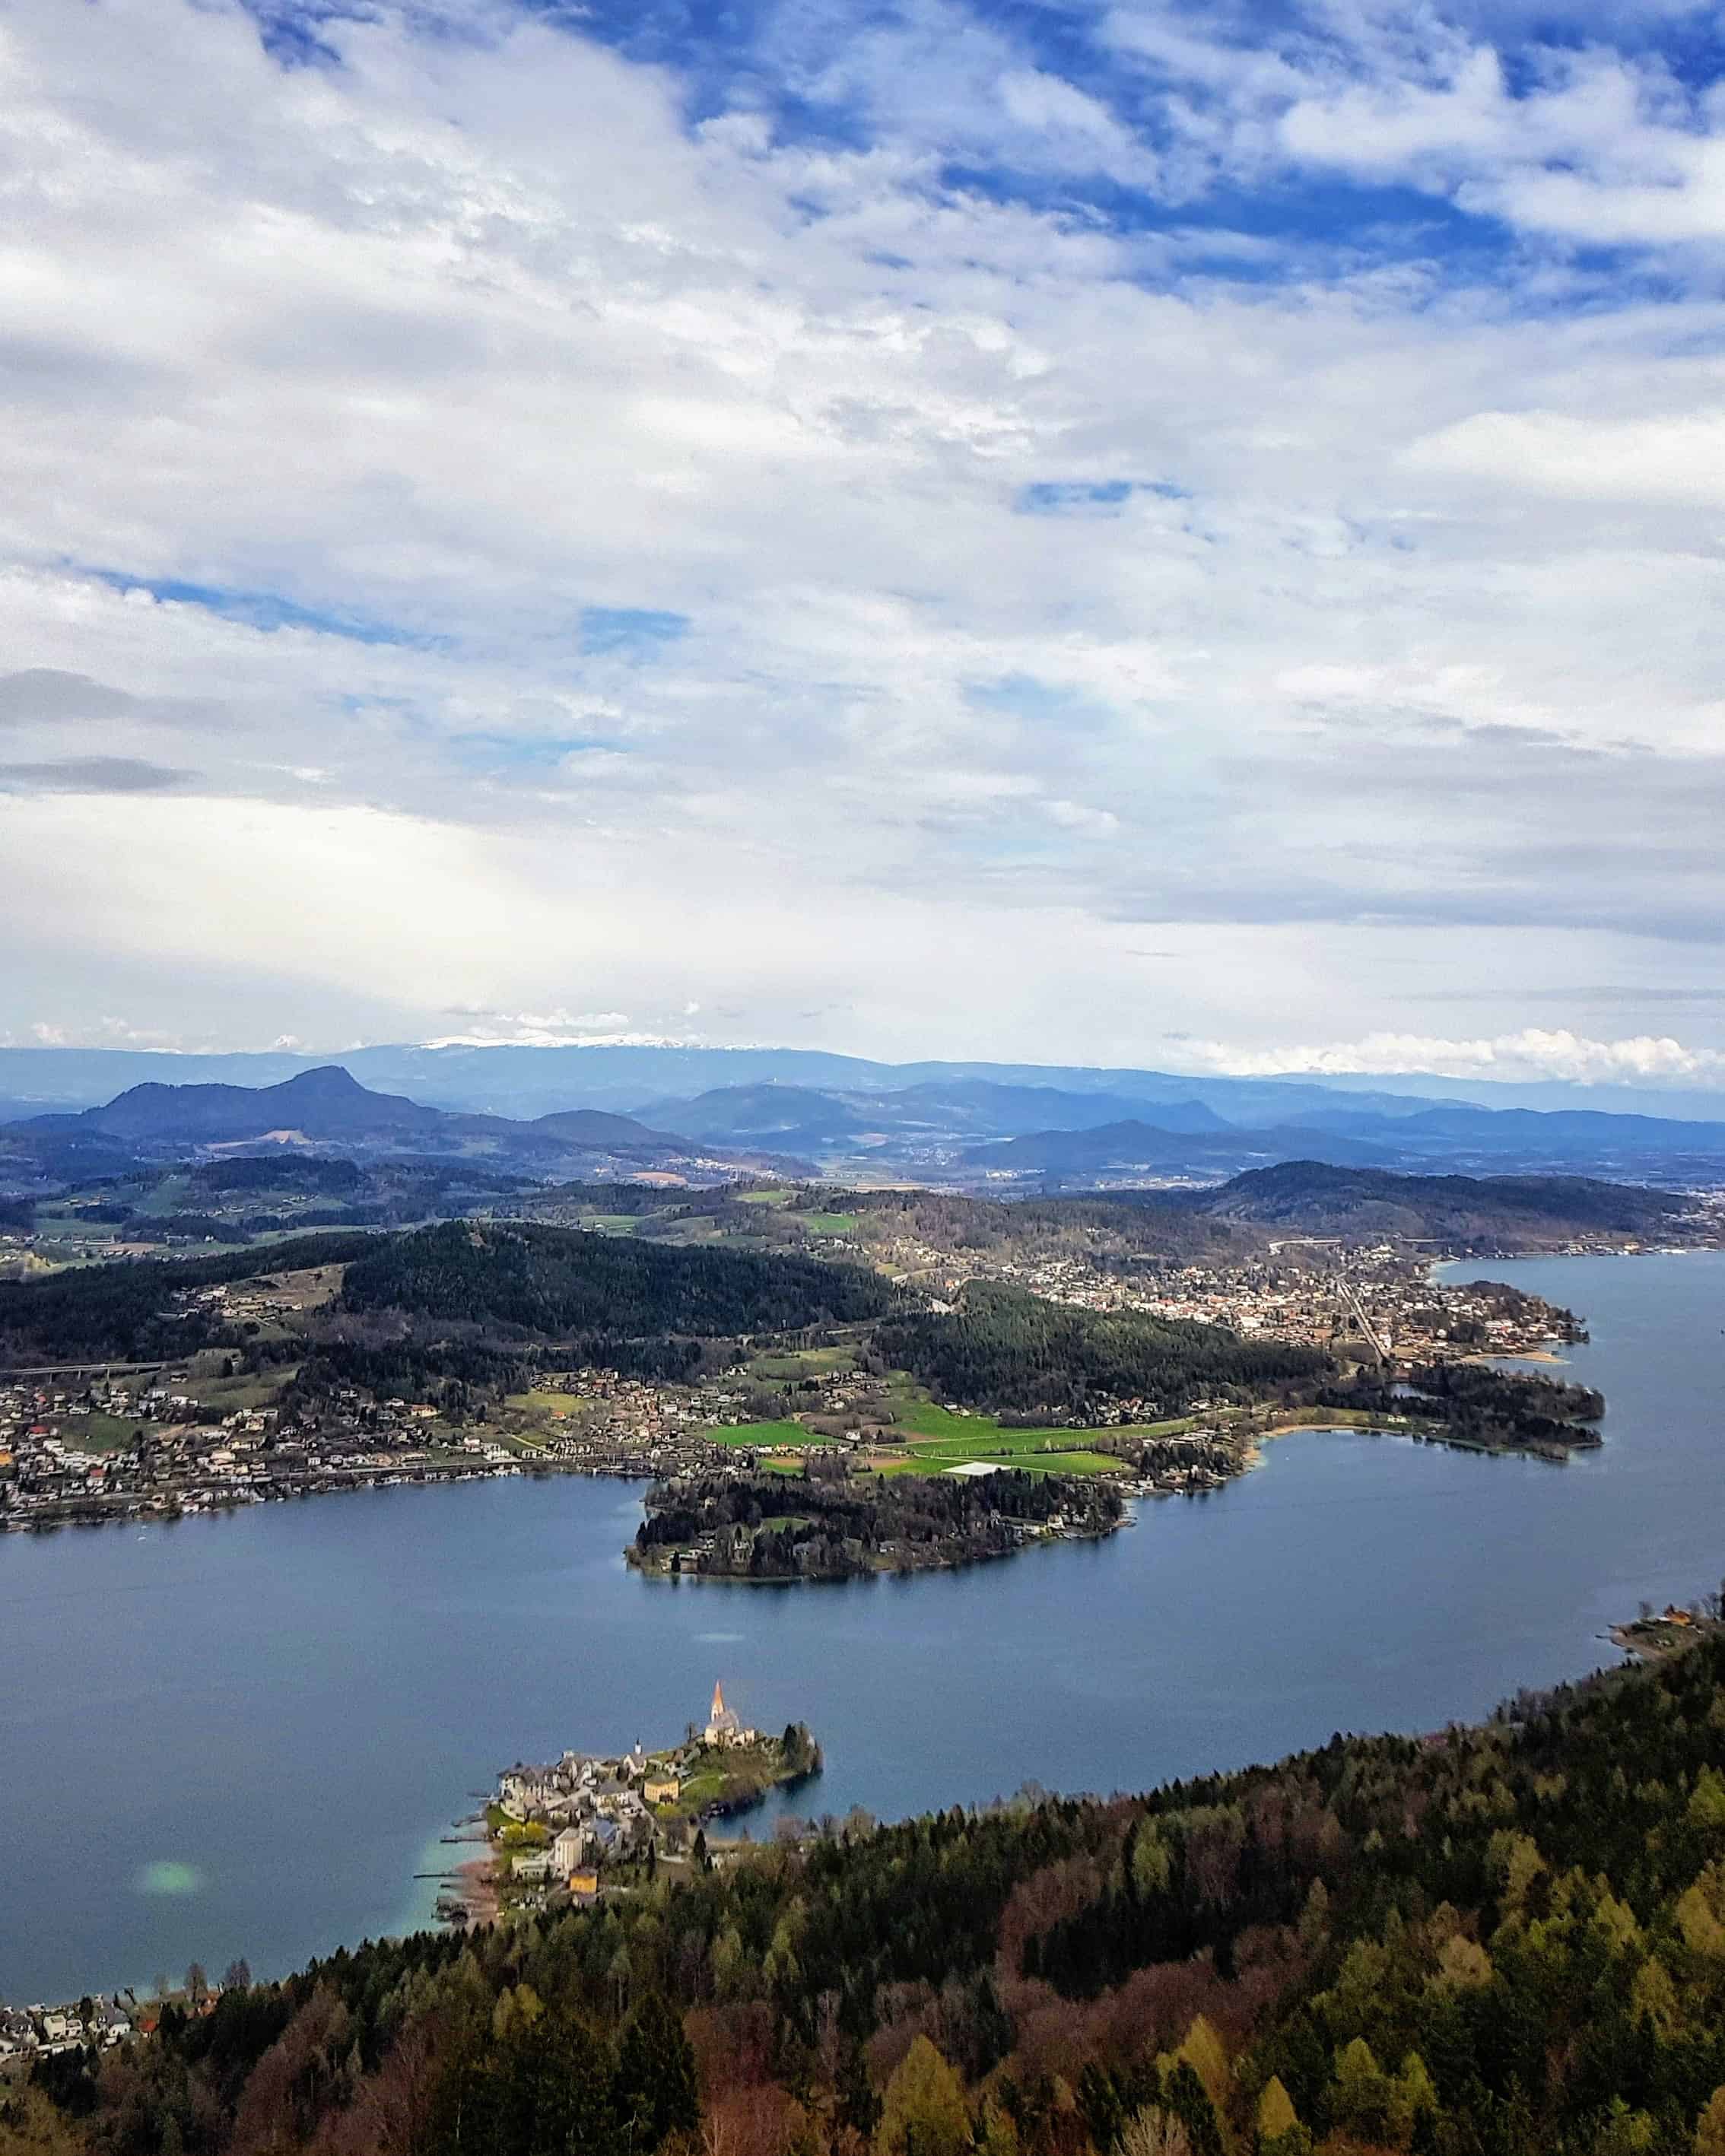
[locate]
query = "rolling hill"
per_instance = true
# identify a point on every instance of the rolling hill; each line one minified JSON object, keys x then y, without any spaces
{"x":1317,"y":1197}
{"x":1134,"y":1144}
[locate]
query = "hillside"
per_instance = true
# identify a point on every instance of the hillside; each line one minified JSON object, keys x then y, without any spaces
{"x":594,"y":1127}
{"x":1509,"y":1212}
{"x":135,"y":1311}
{"x":479,"y":1294}
{"x":1504,"y":1941}
{"x":1004,"y":1348}
{"x":554,"y":1283}
{"x":1135,"y":1143}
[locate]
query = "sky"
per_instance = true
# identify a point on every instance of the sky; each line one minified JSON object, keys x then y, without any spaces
{"x":1105,"y":531}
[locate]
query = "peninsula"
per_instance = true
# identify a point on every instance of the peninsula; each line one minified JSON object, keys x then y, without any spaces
{"x":760,"y":1528}
{"x":587,"y":1821}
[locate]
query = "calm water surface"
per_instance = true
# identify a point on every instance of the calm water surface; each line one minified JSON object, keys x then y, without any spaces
{"x":244,"y":1736}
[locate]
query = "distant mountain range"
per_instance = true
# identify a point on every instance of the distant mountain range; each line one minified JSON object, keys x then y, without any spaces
{"x":502,"y":1079}
{"x":959,"y":1129}
{"x":328,"y":1107}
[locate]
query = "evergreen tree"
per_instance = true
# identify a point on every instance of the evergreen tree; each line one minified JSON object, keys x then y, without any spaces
{"x":655,"y":2089}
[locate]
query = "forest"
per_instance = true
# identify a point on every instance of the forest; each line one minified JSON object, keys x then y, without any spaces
{"x":563,"y":1284}
{"x":1004,"y":1348}
{"x":1493,"y":1212}
{"x":125,"y":1311}
{"x":1477,"y":1404}
{"x":839,"y":1530}
{"x":1507,"y":1940}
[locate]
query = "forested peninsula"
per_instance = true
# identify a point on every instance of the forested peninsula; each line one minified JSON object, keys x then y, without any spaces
{"x":758,"y":1528}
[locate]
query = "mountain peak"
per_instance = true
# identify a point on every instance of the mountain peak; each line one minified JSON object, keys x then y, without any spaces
{"x":325,"y":1082}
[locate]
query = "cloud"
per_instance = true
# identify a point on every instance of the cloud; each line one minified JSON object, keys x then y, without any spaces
{"x":1644,"y":460}
{"x":44,"y":696}
{"x":1530,"y":1054}
{"x":893,"y":484}
{"x":555,"y":1028}
{"x":91,"y":774}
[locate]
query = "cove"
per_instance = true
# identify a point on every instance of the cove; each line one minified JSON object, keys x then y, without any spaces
{"x":244,"y":1735}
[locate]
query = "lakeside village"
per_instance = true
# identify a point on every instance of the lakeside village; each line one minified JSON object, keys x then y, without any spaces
{"x":90,"y":1443}
{"x":563,"y":1834}
{"x":1313,"y":1291}
{"x":586,"y":1826}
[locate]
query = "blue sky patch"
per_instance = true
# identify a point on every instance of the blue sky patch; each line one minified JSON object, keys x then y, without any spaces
{"x":268,"y":610}
{"x":629,"y":632}
{"x":529,"y":752}
{"x":1091,"y":497}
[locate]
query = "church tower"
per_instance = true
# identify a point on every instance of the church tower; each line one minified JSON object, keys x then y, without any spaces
{"x":722,"y":1724}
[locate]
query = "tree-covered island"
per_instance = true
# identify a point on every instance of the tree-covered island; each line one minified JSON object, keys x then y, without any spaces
{"x":761,"y":1528}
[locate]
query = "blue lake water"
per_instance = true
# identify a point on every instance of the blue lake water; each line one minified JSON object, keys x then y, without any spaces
{"x":244,"y":1736}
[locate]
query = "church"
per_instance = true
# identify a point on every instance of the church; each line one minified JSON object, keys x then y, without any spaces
{"x":722,"y":1726}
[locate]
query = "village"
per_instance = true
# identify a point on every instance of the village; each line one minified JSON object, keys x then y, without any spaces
{"x":81,"y":1449}
{"x":1313,"y":1291}
{"x":82,"y":1444}
{"x":587,"y":1823}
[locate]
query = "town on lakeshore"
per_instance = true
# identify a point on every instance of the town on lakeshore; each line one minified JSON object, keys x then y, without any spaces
{"x":586,"y":1823}
{"x":559,"y":1835}
{"x":221,"y":1426}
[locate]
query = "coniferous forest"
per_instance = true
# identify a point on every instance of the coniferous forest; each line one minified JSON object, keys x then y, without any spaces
{"x":1005,"y":1347}
{"x":1485,"y":1942}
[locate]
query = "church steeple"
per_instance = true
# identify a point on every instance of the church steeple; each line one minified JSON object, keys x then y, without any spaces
{"x":722,"y":1727}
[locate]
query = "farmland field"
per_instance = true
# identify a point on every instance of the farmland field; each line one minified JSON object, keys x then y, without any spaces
{"x":763,"y":1433}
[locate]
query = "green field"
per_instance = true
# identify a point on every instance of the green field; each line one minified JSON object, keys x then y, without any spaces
{"x":805,"y":1362}
{"x":543,"y":1403}
{"x":764,"y":1197}
{"x":96,"y":1433}
{"x":763,"y":1433}
{"x":940,"y":1439}
{"x":225,"y":1396}
{"x":829,"y":1223}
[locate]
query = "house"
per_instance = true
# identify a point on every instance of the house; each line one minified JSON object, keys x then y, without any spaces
{"x":662,"y":1788}
{"x":585,"y":1884}
{"x":568,"y":1849}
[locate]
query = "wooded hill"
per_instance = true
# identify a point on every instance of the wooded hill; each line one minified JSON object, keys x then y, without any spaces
{"x":1504,"y":1941}
{"x":513,"y":1286}
{"x":1003,"y":1347}
{"x":1482,"y":1213}
{"x":556,"y":1283}
{"x":126,"y":1312}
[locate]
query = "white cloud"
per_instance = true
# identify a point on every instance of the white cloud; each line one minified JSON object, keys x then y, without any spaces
{"x":1530,"y":1054}
{"x":1677,"y":459}
{"x":394,"y":343}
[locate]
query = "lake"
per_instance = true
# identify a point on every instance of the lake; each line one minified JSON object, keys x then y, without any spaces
{"x":244,"y":1735}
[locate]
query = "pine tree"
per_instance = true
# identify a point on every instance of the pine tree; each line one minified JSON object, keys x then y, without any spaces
{"x":654,"y":2088}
